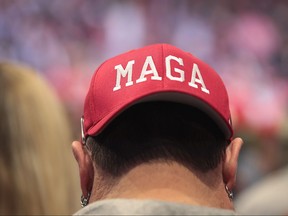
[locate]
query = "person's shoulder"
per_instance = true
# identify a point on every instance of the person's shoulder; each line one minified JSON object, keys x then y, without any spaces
{"x":267,"y":196}
{"x":148,"y":207}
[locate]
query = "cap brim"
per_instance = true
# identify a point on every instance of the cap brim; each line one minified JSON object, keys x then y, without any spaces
{"x":171,"y":96}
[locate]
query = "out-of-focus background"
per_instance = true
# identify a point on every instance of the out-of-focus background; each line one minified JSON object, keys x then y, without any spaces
{"x":246,"y":42}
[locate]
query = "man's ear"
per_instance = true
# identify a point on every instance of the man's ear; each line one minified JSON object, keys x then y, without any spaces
{"x":230,"y":162}
{"x":85,"y":164}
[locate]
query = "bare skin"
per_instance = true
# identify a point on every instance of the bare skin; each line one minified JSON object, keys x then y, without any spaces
{"x":161,"y":181}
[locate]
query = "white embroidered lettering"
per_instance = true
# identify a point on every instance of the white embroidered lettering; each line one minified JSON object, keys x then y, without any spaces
{"x":168,"y":59}
{"x":148,"y":62}
{"x":149,"y":68}
{"x":121,"y":72}
{"x":199,"y":80}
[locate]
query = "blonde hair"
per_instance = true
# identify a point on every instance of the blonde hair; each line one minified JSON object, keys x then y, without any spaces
{"x":36,"y":164}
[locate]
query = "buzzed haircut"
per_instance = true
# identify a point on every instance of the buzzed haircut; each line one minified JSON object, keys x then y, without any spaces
{"x":158,"y":131}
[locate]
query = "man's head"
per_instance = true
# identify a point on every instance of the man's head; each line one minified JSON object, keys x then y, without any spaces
{"x":155,"y":104}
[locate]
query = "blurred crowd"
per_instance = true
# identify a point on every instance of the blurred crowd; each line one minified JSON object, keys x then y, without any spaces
{"x":245,"y":41}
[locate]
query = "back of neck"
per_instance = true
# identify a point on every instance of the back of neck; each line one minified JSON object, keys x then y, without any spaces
{"x":172,"y":182}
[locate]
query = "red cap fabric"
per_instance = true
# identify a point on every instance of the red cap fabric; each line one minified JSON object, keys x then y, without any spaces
{"x":159,"y":72}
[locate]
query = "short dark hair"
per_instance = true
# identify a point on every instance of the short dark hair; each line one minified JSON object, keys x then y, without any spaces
{"x":158,"y":131}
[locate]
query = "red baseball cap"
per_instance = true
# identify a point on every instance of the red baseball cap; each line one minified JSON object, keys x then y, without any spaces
{"x":159,"y":72}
